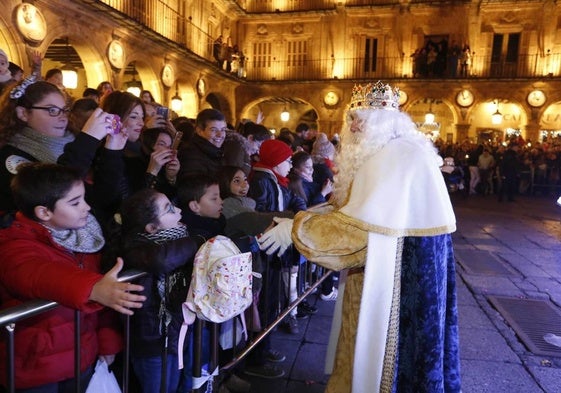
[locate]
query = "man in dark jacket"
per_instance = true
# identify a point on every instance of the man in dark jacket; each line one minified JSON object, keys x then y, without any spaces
{"x":203,"y":154}
{"x":509,"y":167}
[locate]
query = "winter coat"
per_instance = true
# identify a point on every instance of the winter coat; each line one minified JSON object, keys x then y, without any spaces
{"x":264,"y":188}
{"x":35,"y":267}
{"x":173,"y":260}
{"x":79,"y":154}
{"x":199,"y":157}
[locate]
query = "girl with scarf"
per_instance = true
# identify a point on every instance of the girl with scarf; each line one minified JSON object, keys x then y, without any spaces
{"x":51,"y":251}
{"x":34,"y":127}
{"x":155,"y":241}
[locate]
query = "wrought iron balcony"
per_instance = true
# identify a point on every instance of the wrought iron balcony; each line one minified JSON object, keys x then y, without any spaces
{"x":158,"y":21}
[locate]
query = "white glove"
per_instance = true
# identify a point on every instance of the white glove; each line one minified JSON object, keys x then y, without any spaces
{"x":277,"y":238}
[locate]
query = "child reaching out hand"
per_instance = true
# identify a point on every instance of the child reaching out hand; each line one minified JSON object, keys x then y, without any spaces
{"x":51,"y":251}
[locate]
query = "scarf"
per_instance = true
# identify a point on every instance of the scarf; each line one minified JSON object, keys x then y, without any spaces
{"x":88,"y":239}
{"x":43,"y":147}
{"x":283,"y":181}
{"x":163,"y":284}
{"x":165,"y":235}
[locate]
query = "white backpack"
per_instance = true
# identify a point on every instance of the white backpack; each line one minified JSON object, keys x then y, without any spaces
{"x":221,"y":286}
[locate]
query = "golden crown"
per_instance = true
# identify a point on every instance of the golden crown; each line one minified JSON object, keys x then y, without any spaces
{"x":375,"y":96}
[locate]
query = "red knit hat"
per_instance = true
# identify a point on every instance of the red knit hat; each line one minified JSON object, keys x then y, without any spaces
{"x":273,"y":152}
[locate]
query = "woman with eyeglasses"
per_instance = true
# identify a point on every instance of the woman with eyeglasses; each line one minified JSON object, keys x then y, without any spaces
{"x":34,"y":127}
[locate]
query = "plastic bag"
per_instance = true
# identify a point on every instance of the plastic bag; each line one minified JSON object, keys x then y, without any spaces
{"x":226,"y":338}
{"x":103,"y":380}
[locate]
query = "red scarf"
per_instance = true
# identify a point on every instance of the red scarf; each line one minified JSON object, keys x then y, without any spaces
{"x":283,"y":181}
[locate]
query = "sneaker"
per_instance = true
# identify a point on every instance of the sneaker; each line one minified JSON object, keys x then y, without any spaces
{"x":264,"y":371}
{"x":307,"y":308}
{"x":272,"y":355}
{"x":330,"y":296}
{"x":291,"y":324}
{"x":302,"y":314}
{"x":308,"y":286}
{"x":236,"y":384}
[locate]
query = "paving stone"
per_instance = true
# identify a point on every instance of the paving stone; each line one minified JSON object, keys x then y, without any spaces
{"x":485,"y":344}
{"x":480,"y":376}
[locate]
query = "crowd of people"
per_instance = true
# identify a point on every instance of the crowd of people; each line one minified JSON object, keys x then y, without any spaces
{"x":107,"y":182}
{"x":91,"y":186}
{"x":507,"y":169}
{"x":438,"y":59}
{"x":229,"y":57}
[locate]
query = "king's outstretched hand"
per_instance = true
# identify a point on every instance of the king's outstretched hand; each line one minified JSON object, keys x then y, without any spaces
{"x":277,"y":238}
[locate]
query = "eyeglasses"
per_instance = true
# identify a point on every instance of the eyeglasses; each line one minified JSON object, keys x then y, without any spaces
{"x":54,"y":111}
{"x":170,"y":210}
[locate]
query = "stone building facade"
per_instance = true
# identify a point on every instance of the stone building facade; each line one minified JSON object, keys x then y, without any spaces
{"x":304,"y":57}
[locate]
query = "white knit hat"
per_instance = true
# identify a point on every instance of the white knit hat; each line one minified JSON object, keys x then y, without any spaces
{"x":323,"y":147}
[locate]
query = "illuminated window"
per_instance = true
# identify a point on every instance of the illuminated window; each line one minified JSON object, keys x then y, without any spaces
{"x":370,"y":54}
{"x":262,"y":54}
{"x":297,"y":53}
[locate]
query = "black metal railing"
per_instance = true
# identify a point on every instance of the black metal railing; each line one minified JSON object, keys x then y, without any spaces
{"x":11,"y":316}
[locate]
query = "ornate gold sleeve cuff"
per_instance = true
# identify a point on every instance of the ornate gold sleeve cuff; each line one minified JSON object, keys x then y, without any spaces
{"x":329,"y":241}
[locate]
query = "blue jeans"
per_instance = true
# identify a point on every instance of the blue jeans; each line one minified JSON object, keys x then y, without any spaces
{"x":187,"y":377}
{"x":66,"y":386}
{"x":148,"y":370}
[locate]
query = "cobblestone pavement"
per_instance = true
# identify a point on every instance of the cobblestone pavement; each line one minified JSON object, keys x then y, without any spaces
{"x":523,"y":239}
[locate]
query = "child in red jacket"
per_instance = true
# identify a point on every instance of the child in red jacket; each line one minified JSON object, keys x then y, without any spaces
{"x":51,"y":251}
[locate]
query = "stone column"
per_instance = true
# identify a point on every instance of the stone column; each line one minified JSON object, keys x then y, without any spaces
{"x":532,"y":131}
{"x":462,"y":132}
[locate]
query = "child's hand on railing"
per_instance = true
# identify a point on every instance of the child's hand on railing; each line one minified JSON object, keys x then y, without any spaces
{"x":117,"y":295}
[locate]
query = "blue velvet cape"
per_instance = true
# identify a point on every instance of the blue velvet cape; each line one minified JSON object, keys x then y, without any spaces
{"x":428,"y":358}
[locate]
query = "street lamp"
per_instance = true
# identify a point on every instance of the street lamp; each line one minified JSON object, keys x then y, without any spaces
{"x":176,"y":101}
{"x":497,"y":117}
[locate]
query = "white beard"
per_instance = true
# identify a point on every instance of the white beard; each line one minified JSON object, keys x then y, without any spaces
{"x":376,"y":129}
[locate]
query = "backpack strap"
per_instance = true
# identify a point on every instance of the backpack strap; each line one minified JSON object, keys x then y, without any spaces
{"x":188,"y":319}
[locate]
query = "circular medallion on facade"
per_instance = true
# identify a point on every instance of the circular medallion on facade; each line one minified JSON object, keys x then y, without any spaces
{"x":331,"y":98}
{"x":168,"y":75}
{"x":201,"y":87}
{"x":116,"y":54}
{"x":536,"y":98}
{"x":31,"y":23}
{"x":464,"y":98}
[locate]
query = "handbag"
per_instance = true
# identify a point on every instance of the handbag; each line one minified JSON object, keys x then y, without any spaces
{"x":103,"y":380}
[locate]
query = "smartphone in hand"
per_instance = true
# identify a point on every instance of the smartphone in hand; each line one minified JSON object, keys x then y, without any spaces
{"x":163,"y":111}
{"x":176,"y":140}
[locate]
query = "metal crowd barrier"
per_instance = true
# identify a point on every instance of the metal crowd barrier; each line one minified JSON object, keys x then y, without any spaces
{"x":9,"y":318}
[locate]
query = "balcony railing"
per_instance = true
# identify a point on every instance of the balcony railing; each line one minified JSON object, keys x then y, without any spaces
{"x":527,"y":66}
{"x":272,"y":6}
{"x":174,"y":28}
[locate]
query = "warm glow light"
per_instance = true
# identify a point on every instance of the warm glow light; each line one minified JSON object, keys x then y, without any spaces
{"x":176,"y":103}
{"x":429,"y":118}
{"x":69,"y":78}
{"x":134,"y":90}
{"x":497,"y":117}
{"x":285,"y":115}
